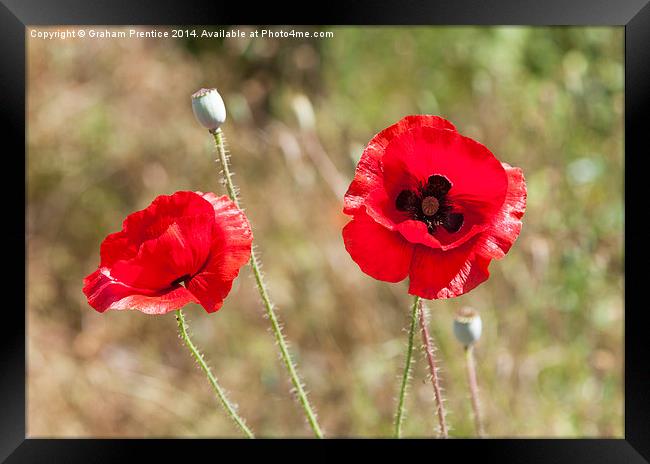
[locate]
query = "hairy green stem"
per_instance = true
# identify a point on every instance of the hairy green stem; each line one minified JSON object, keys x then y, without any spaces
{"x":399,"y":415}
{"x":266,"y":300}
{"x":437,"y":393}
{"x":473,"y":389}
{"x":221,"y":395}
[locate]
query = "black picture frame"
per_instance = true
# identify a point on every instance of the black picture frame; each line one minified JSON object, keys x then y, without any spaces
{"x":16,"y":15}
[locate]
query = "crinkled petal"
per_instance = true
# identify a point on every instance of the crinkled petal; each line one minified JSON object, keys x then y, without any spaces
{"x":104,"y":292}
{"x":230,"y":251}
{"x":116,"y":247}
{"x":496,"y":241}
{"x":437,"y":274}
{"x":181,"y":250}
{"x":162,"y":243}
{"x":380,"y":253}
{"x":154,"y":220}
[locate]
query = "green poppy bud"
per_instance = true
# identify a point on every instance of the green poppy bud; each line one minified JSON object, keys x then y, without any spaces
{"x":209,"y":109}
{"x":467,"y":326}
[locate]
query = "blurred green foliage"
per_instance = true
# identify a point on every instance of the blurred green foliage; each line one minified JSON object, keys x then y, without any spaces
{"x":110,"y":127}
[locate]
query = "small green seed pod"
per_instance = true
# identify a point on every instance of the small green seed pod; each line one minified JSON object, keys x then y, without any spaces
{"x":467,"y":326}
{"x":209,"y":109}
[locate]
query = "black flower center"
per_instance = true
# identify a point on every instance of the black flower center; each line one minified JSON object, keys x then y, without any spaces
{"x":429,"y":204}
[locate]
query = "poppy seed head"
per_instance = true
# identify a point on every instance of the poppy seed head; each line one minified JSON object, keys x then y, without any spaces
{"x":209,"y":108}
{"x":467,"y":326}
{"x":430,"y":205}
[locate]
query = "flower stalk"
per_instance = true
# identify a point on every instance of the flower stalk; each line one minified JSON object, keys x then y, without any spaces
{"x":219,"y":140}
{"x":473,"y":389}
{"x":220,"y":393}
{"x":435,"y":381}
{"x":467,"y":329}
{"x":399,"y":414}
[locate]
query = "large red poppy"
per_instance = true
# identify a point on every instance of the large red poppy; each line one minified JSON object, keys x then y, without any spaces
{"x":433,"y":205}
{"x":186,"y":247}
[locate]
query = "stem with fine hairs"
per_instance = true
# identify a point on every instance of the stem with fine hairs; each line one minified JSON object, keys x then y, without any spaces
{"x":473,"y":389}
{"x":266,"y":300}
{"x":429,"y":350}
{"x":399,"y":414}
{"x":221,"y":394}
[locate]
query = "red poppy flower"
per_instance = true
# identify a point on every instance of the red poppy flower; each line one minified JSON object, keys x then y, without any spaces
{"x":433,"y":205}
{"x":186,"y":247}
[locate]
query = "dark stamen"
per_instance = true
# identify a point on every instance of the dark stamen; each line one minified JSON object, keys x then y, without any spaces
{"x":452,"y":222}
{"x":438,"y":185}
{"x":407,"y":200}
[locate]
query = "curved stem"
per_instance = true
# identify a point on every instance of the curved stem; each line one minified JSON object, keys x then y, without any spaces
{"x":221,"y":395}
{"x":266,"y":300}
{"x":473,"y":389}
{"x":399,"y":415}
{"x":219,"y":141}
{"x":428,"y":348}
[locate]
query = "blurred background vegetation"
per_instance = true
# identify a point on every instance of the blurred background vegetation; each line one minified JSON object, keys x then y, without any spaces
{"x":110,"y":127}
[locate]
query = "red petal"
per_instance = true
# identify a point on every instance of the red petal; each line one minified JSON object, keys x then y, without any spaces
{"x":380,"y":253}
{"x":439,"y":274}
{"x":506,"y":224}
{"x":104,"y":292}
{"x":154,"y":220}
{"x":168,"y":240}
{"x":416,"y":232}
{"x":116,"y":247}
{"x":181,"y":250}
{"x":368,"y":175}
{"x":231,"y":249}
{"x":376,"y":203}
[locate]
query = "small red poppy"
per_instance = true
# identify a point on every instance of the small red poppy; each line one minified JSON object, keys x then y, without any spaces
{"x":433,"y":205}
{"x":196,"y":239}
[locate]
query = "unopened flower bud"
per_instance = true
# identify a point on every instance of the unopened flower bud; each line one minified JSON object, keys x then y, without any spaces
{"x":208,"y":108}
{"x":467,"y":326}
